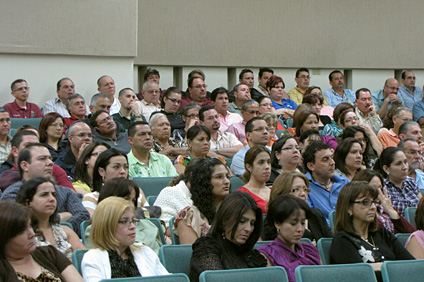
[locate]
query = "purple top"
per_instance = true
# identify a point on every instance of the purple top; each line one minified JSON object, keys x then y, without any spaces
{"x":279,"y":254}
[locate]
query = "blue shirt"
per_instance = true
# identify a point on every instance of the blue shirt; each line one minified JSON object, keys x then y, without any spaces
{"x":419,"y":178}
{"x":418,"y":110}
{"x":286,"y":104}
{"x":334,"y":99}
{"x":322,"y":199}
{"x":409,"y":99}
{"x":378,"y":99}
{"x":237,"y":164}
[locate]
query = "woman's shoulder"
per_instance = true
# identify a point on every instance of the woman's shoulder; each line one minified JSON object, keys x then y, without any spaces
{"x":206,"y":244}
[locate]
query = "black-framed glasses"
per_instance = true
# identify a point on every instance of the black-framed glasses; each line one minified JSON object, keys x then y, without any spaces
{"x":173,"y":100}
{"x":367,"y":202}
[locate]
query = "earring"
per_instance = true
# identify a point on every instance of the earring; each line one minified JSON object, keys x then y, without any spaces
{"x":278,"y":230}
{"x":350,"y":216}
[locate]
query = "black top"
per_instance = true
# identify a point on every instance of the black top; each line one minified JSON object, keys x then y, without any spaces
{"x":121,"y":268}
{"x":317,"y":228}
{"x":174,"y":119}
{"x":211,"y":254}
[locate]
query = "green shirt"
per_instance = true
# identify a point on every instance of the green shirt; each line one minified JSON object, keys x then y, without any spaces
{"x":159,"y":166}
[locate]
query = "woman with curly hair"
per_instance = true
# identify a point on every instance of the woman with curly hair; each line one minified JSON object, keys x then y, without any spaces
{"x":51,"y":132}
{"x":210,"y":183}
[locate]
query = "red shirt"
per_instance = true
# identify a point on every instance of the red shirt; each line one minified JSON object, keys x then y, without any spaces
{"x":31,"y":110}
{"x":185,"y":101}
{"x":69,"y":121}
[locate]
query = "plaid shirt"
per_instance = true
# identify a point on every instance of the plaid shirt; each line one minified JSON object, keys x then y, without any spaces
{"x":403,"y":197}
{"x":172,"y":144}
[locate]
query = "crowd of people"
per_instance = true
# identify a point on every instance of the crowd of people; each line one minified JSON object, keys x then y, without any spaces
{"x":302,"y":155}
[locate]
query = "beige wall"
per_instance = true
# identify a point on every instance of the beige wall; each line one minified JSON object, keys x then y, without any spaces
{"x":361,"y":34}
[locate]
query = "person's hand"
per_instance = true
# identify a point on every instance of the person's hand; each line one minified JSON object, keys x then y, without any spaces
{"x":366,"y":127}
{"x":386,"y":203}
{"x":81,"y":148}
{"x":372,"y":110}
{"x":135,"y":110}
{"x":192,"y":122}
{"x":392,"y":98}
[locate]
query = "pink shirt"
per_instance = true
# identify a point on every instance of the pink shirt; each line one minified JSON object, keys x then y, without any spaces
{"x":238,"y":129}
{"x":228,"y":120}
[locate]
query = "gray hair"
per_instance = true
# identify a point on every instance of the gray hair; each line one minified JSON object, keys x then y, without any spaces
{"x":400,"y":109}
{"x":401,"y":144}
{"x":191,"y":105}
{"x":236,"y":88}
{"x":70,"y":98}
{"x":247,"y":103}
{"x":404,"y":128}
{"x":96,"y":97}
{"x":154,"y":118}
{"x":148,"y":82}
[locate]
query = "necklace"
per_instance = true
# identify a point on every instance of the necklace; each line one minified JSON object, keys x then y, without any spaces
{"x":114,"y":140}
{"x":372,"y":244}
{"x":328,"y":186}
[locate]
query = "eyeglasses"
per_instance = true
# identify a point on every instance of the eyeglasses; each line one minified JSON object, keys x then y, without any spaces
{"x":253,"y":112}
{"x":174,"y":100}
{"x":298,"y":190}
{"x":127,"y":222}
{"x":295,"y":148}
{"x":367,"y":202}
{"x":406,"y":119}
{"x":192,"y":116}
{"x":105,"y":120}
{"x":21,"y":88}
{"x":153,"y":91}
{"x":261,"y":129}
{"x":351,"y":119}
{"x":414,"y":152}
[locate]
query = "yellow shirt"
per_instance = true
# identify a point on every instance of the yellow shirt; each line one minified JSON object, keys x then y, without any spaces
{"x":297,"y":96}
{"x":80,"y":184}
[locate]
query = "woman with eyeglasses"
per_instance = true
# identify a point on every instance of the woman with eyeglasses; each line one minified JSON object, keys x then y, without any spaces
{"x":170,"y":102}
{"x":190,"y":116}
{"x":257,"y":163}
{"x":297,"y":184}
{"x":280,"y":100}
{"x":402,"y":189}
{"x":209,"y":185}
{"x":348,"y":158}
{"x":387,"y":216}
{"x":358,"y":238}
{"x":115,"y":253}
{"x":316,"y":101}
{"x":51,"y":133}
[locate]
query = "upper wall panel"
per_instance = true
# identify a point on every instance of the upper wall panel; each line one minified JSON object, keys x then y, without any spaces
{"x":77,"y":27}
{"x":377,"y":34}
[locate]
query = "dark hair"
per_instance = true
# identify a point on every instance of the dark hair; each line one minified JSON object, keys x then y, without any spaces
{"x":26,"y":155}
{"x":94,"y":116}
{"x":262,"y":70}
{"x":274,"y":80}
{"x":46,"y":121}
{"x":102,"y":162}
{"x":261,"y":98}
{"x":250,"y":158}
{"x":343,"y":116}
{"x":59,"y":83}
{"x":330,"y":76}
{"x":348,"y":194}
{"x":341,"y":108}
{"x":150,"y":71}
{"x":195,"y":130}
{"x":276,"y":147}
{"x":122,"y":91}
{"x":17,"y":139}
{"x":189,"y":106}
{"x":191,"y":80}
{"x":300,"y":70}
{"x":404,"y":73}
{"x":249,"y":124}
{"x":26,"y":194}
{"x":341,"y":153}
{"x":196,"y":71}
{"x":119,"y":187}
{"x":243,"y":72}
{"x":203,"y":110}
{"x":301,"y":114}
{"x":402,"y":142}
{"x":81,"y":173}
{"x":358,"y":92}
{"x":394,"y":111}
{"x":350,"y":132}
{"x":312,"y":98}
{"x":310,"y":88}
{"x":404,"y":128}
{"x":386,"y":158}
{"x":419,"y":215}
{"x":308,"y":133}
{"x":367,"y":175}
{"x":201,"y":187}
{"x":188,"y":172}
{"x":311,"y":151}
{"x":16,"y":81}
{"x":132,"y":129}
{"x":217,"y":91}
{"x":229,"y":215}
{"x":168,"y":93}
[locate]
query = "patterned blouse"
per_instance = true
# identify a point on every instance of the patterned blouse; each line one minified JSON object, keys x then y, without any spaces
{"x":61,"y":240}
{"x":123,"y":267}
{"x":45,"y":276}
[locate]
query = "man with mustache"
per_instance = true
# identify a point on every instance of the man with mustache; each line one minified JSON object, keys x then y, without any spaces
{"x":337,"y":93}
{"x":365,"y":109}
{"x":20,"y":108}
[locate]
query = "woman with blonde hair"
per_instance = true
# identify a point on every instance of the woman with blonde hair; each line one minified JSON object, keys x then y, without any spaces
{"x":297,"y":184}
{"x":115,"y":253}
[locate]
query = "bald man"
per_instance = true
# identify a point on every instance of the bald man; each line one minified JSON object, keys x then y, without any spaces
{"x":385,"y":98}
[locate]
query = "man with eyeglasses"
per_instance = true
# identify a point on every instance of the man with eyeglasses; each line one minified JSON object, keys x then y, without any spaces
{"x":20,"y":108}
{"x":150,"y":103}
{"x":390,"y":138}
{"x":106,"y":85}
{"x":249,"y":110}
{"x":414,"y":154}
{"x":190,"y":116}
{"x":223,"y":144}
{"x":365,"y":109}
{"x":385,"y":98}
{"x":105,"y":130}
{"x":302,"y":79}
{"x":241,"y":93}
{"x":129,"y":111}
{"x":318,"y":160}
{"x":409,"y":94}
{"x":337,"y":93}
{"x":257,"y":133}
{"x":221,"y":104}
{"x":79,"y":136}
{"x":197,"y":93}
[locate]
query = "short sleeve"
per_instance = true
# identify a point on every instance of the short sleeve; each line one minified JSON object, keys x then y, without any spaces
{"x":192,"y":217}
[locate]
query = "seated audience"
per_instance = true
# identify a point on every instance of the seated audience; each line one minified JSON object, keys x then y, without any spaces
{"x":170,"y":102}
{"x":371,"y":147}
{"x":249,"y":110}
{"x":413,"y":152}
{"x":384,"y":99}
{"x":39,"y":194}
{"x":265,"y":105}
{"x":280,"y":100}
{"x":335,"y":129}
{"x":5,"y":139}
{"x":220,"y":102}
{"x":51,"y":133}
{"x":196,"y":93}
{"x":150,"y":103}
{"x":302,"y":79}
{"x":106,"y":85}
{"x":20,"y":107}
{"x":307,"y":137}
{"x":115,"y":253}
{"x":76,"y":108}
{"x":358,"y":238}
{"x":402,"y":189}
{"x":20,"y":259}
{"x":65,"y":88}
{"x":348,"y":157}
{"x":240,"y":93}
{"x":415,"y":243}
{"x":231,"y":240}
{"x":366,"y":111}
{"x":263,"y":76}
{"x":142,"y":161}
{"x":325,"y":186}
{"x":257,"y":163}
{"x":297,"y":184}
{"x":410,"y":129}
{"x":35,"y":161}
{"x":395,"y":118}
{"x":325,"y":109}
{"x":289,"y":215}
{"x":271,"y":120}
{"x":337,"y":93}
{"x":129,"y":111}
{"x":285,"y":156}
{"x":246,"y":77}
{"x":316,"y":101}
{"x":209,"y":185}
{"x":83,"y":181}
{"x":190,"y":116}
{"x":387,"y":216}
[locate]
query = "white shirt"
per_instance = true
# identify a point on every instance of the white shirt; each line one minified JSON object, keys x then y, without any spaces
{"x":224,"y":140}
{"x":146,"y":109}
{"x":56,"y":105}
{"x":116,"y":106}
